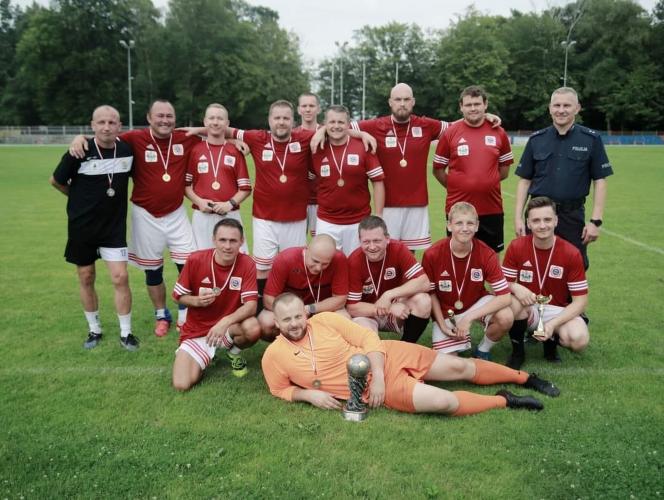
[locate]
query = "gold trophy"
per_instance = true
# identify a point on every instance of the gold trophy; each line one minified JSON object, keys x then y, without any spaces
{"x":541,"y":300}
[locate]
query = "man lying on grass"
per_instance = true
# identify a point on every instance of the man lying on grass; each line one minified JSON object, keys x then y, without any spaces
{"x":307,"y":362}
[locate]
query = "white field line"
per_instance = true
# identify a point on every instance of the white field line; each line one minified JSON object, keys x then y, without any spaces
{"x":619,"y":236}
{"x":162,"y":370}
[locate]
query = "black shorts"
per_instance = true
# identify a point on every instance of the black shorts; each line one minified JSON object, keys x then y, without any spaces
{"x":490,"y":231}
{"x":85,"y":253}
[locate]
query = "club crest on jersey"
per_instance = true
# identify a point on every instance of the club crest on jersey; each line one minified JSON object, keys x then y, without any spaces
{"x":490,"y":140}
{"x":150,"y":156}
{"x":235,"y":283}
{"x":294,"y":147}
{"x":267,"y":155}
{"x":229,"y":161}
{"x":463,"y":150}
{"x":391,"y":142}
{"x":202,"y":167}
{"x":390,"y":273}
{"x":555,"y":272}
{"x":525,"y":276}
{"x":445,"y":285}
{"x":476,"y":275}
{"x":178,"y":149}
{"x":353,"y":159}
{"x":325,"y":170}
{"x":416,"y":131}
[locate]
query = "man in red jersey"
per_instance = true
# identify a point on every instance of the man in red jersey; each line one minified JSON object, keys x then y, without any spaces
{"x":217,"y":180}
{"x":543,"y":264}
{"x":317,"y":273}
{"x":343,"y":168}
{"x":388,"y":289}
{"x":471,"y":160}
{"x":403,"y":150}
{"x":308,"y":107}
{"x":458,"y":267}
{"x":218,"y":285}
{"x":158,"y":216}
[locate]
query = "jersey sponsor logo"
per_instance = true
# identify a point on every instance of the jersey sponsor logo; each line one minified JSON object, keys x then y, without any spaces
{"x":204,"y":289}
{"x":294,"y":147}
{"x":527,"y":264}
{"x":476,"y":274}
{"x":525,"y":276}
{"x":267,"y":155}
{"x":445,"y":285}
{"x":229,"y":161}
{"x":579,"y":148}
{"x":391,"y":142}
{"x":390,"y":273}
{"x":489,"y":140}
{"x":353,"y":159}
{"x":235,"y":283}
{"x":178,"y":149}
{"x":150,"y":156}
{"x":463,"y":150}
{"x":417,"y":131}
{"x":367,"y":289}
{"x":206,"y":280}
{"x":555,"y":272}
{"x":202,"y":167}
{"x":325,"y":170}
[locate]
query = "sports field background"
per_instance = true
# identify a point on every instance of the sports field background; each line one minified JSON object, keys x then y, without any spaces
{"x":106,"y":423}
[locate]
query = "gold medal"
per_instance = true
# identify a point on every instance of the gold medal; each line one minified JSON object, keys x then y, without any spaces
{"x":458,"y":305}
{"x":166,"y":177}
{"x":316,"y":384}
{"x":341,"y":183}
{"x":403,"y":162}
{"x":283,"y":178}
{"x":216,"y":185}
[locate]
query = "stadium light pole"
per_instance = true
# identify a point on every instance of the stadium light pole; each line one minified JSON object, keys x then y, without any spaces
{"x":364,"y":85}
{"x":566,"y":45}
{"x":402,"y":59}
{"x":342,"y":49}
{"x":129,"y":45}
{"x":332,"y":85}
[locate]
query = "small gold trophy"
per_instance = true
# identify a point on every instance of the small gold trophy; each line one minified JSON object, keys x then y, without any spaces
{"x":541,"y":300}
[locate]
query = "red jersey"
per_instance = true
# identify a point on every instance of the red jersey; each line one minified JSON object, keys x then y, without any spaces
{"x":404,"y":186}
{"x":313,"y":180}
{"x":275,"y":200}
{"x":230,"y":167}
{"x":473,"y":155}
{"x":350,"y":203}
{"x":151,"y":156}
{"x":289,"y":274}
{"x":564,"y":276}
{"x":238,"y":284}
{"x":445,"y":279}
{"x":366,"y":284}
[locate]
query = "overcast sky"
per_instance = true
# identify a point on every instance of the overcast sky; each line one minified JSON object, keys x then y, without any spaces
{"x":319,"y":24}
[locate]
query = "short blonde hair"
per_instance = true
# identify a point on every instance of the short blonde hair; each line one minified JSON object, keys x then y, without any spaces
{"x":462,"y":207}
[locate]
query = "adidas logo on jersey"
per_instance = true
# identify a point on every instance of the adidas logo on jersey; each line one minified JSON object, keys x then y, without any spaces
{"x":268,"y":145}
{"x":527,"y":264}
{"x":389,"y":133}
{"x":462,"y":141}
{"x":444,"y":273}
{"x":206,"y":280}
{"x":202,"y":157}
{"x":149,"y":146}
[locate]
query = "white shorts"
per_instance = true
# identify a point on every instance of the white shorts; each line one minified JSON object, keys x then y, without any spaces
{"x":113,"y":254}
{"x":382,"y":323}
{"x":271,"y":237}
{"x":410,"y":225}
{"x":550,"y":312}
{"x":345,"y":235}
{"x":312,"y":211}
{"x":151,"y":235}
{"x":202,"y":225}
{"x":445,"y":344}
{"x":198,"y":349}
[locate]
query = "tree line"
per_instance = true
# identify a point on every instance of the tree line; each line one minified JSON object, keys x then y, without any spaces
{"x":58,"y":62}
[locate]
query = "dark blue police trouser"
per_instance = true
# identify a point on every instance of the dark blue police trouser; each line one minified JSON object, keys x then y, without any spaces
{"x":570,"y":226}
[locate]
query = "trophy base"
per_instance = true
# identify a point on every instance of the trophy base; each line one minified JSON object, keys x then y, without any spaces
{"x":354,"y":416}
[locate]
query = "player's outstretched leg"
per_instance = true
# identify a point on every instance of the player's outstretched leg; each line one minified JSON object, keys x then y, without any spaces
{"x":430,"y":399}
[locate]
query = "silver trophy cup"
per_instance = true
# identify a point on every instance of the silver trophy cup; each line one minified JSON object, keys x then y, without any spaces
{"x":355,"y":409}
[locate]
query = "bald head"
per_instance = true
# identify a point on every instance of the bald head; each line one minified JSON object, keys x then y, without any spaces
{"x":105,"y":108}
{"x":401,"y":102}
{"x":106,"y":125}
{"x":319,"y":253}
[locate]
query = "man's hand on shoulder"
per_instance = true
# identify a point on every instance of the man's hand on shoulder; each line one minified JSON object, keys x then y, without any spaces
{"x":78,"y":147}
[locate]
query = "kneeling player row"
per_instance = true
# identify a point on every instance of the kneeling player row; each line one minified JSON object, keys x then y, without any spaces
{"x":384,"y":288}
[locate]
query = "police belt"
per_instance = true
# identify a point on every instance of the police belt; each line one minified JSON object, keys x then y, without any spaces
{"x":567,"y":205}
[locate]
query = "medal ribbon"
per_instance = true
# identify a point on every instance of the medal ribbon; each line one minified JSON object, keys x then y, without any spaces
{"x":214,"y":278}
{"x":168,"y":155}
{"x":405,"y":140}
{"x":380,"y":278}
{"x":215,"y":165}
{"x":465,"y":273}
{"x":281,"y":163}
{"x":343,"y":158}
{"x":101,"y":157}
{"x":306,"y":273}
{"x":542,"y":279}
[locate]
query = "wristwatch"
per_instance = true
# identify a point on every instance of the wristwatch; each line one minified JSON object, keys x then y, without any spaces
{"x":234,"y":203}
{"x":597,"y":222}
{"x":312,"y":309}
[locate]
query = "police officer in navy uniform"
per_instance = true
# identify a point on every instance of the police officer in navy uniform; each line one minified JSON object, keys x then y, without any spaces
{"x":560,"y":162}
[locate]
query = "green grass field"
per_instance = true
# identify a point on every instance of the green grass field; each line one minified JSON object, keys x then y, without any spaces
{"x":106,"y":423}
